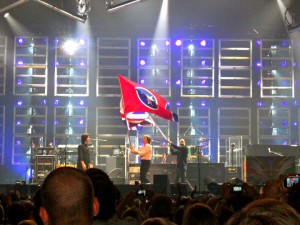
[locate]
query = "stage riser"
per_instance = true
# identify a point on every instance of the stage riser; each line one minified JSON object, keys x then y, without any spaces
{"x":30,"y":189}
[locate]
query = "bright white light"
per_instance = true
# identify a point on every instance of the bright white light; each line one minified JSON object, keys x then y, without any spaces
{"x":81,"y":41}
{"x":70,"y":47}
{"x":191,"y":47}
{"x":203,"y":43}
{"x":6,"y":15}
{"x":178,"y":43}
{"x":154,"y":47}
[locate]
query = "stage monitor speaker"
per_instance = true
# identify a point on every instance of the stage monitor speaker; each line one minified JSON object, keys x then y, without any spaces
{"x":162,"y":169}
{"x":205,"y":173}
{"x":262,"y":168}
{"x":115,"y":166}
{"x":161,"y":184}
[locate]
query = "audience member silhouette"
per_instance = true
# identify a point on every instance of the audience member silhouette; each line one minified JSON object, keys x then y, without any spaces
{"x":266,"y":212}
{"x":67,"y":197}
{"x":104,"y":192}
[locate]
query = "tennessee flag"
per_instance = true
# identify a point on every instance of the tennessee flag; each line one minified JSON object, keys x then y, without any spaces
{"x":136,"y":98}
{"x":136,"y":120}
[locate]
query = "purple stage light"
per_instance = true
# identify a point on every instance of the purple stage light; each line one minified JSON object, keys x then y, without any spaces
{"x":142,"y":43}
{"x":178,"y":82}
{"x":19,"y":103}
{"x":259,"y":104}
{"x":203,"y":82}
{"x":258,"y":64}
{"x":284,"y":104}
{"x":258,"y":42}
{"x":295,"y":123}
{"x":283,"y":63}
{"x":203,"y":63}
{"x":142,"y":81}
{"x":178,"y":103}
{"x":203,"y":103}
{"x":20,"y":62}
{"x":295,"y":103}
{"x":20,"y":40}
{"x":56,"y":102}
{"x":167,"y":43}
{"x":81,"y":122}
{"x":81,"y":102}
{"x":19,"y":122}
{"x":19,"y":82}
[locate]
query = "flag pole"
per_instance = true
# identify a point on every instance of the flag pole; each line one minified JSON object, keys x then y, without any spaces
{"x":159,"y":129}
{"x":127,"y":155}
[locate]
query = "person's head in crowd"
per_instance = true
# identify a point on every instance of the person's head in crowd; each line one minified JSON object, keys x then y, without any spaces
{"x":67,"y":198}
{"x":104,"y":192}
{"x":293,"y":196}
{"x":264,"y":212}
{"x":133,"y":213}
{"x":16,"y":213}
{"x":27,"y":222}
{"x":15,"y":195}
{"x":199,"y":214}
{"x":238,"y":195}
{"x":179,"y":214}
{"x":161,"y":206}
{"x":273,"y":189}
{"x":37,"y":203}
{"x":154,"y":221}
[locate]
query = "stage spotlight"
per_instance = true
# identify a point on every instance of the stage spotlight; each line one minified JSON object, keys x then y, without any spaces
{"x":112,"y":8}
{"x":6,"y":15}
{"x":83,"y":6}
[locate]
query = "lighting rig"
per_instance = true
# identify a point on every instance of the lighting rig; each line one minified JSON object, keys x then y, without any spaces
{"x":83,"y":8}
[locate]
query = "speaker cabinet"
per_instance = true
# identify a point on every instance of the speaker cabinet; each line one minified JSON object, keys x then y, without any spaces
{"x":44,"y":164}
{"x":161,"y":184}
{"x":115,"y":166}
{"x":233,"y":172}
{"x":204,"y":173}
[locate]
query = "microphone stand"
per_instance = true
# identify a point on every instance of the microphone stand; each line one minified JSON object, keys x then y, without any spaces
{"x":66,"y":150}
{"x":198,"y":150}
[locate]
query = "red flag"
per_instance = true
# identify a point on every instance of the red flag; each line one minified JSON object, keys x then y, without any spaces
{"x":136,"y":98}
{"x":136,"y":120}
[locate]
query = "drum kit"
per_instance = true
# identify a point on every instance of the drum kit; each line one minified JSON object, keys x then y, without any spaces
{"x":196,"y":151}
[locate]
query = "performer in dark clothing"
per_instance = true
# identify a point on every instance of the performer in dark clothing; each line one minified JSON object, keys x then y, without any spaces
{"x":83,"y":161}
{"x":182,"y":152}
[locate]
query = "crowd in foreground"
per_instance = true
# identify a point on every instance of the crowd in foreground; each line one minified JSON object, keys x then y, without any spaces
{"x":69,"y":196}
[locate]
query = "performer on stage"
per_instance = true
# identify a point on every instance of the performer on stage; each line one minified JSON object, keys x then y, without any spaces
{"x":145,"y":153}
{"x":182,"y":152}
{"x":83,"y":161}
